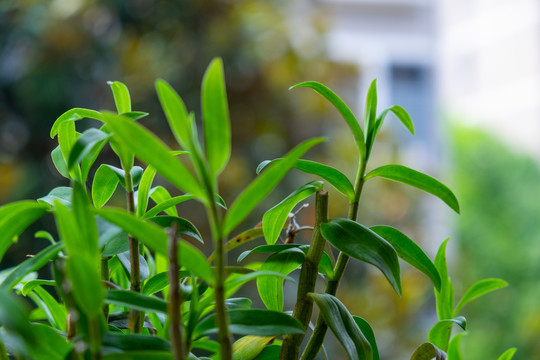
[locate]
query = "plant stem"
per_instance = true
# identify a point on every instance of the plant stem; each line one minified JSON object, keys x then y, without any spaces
{"x":175,"y":297}
{"x":135,"y":316}
{"x":317,"y":337}
{"x":3,"y":353}
{"x":105,"y":278}
{"x":95,"y":338}
{"x":308,"y":277}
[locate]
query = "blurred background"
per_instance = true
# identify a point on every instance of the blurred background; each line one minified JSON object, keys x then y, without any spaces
{"x":468,"y":72}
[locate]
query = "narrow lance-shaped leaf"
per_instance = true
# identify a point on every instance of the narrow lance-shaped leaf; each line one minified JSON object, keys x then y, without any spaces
{"x":370,"y":115}
{"x":248,"y":347}
{"x":154,"y":152}
{"x":410,"y":252}
{"x":73,"y":115}
{"x":15,"y":218}
{"x":359,"y":242}
{"x":90,"y":139}
{"x":418,"y":180}
{"x":176,"y":113}
{"x":144,"y":188}
{"x":478,"y":289}
{"x":367,"y":331}
{"x":271,"y":287}
{"x":275,"y":218}
{"x":342,"y":324}
{"x":333,"y":176}
{"x":215,"y":112}
{"x":121,"y":96}
{"x":342,"y":108}
{"x":252,"y":322}
{"x":428,"y":351}
{"x":445,"y":297}
{"x":263,"y":185}
{"x":454,"y":349}
{"x":440,"y":333}
{"x":508,"y":354}
{"x":136,"y":301}
{"x":400,"y":113}
{"x":167,"y":205}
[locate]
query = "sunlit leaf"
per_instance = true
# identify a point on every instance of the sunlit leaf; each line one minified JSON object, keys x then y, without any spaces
{"x":410,"y":252}
{"x":252,"y":322}
{"x":342,"y":324}
{"x":136,"y":301}
{"x":14,"y":316}
{"x":121,"y":96}
{"x":59,"y":162}
{"x":15,"y":218}
{"x":440,"y":333}
{"x":428,"y":351}
{"x":154,"y":152}
{"x":88,"y":141}
{"x":263,"y":185}
{"x":418,"y":180}
{"x":508,"y":354}
{"x":445,"y":297}
{"x":159,"y":194}
{"x":104,"y":184}
{"x":176,"y":113}
{"x":62,"y":194}
{"x":342,"y":108}
{"x":370,"y":115}
{"x":183,"y":226}
{"x":274,"y":219}
{"x":73,"y":115}
{"x":56,"y":313}
{"x":248,"y":347}
{"x":167,"y":205}
{"x":478,"y":289}
{"x":361,"y":243}
{"x":454,"y":348}
{"x":144,"y":188}
{"x":215,"y":112}
{"x":50,"y":343}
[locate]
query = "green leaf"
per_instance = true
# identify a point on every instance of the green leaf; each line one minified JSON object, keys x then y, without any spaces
{"x":215,"y":112}
{"x":136,"y":301}
{"x":366,"y":329}
{"x":139,"y":355}
{"x":274,"y":219}
{"x":82,"y":210}
{"x":56,"y":313}
{"x":270,"y":287}
{"x":144,"y":188}
{"x":114,"y":241}
{"x":135,"y":115}
{"x":342,"y":324}
{"x":176,"y":113}
{"x":508,"y":354}
{"x":400,"y":113}
{"x":62,"y":194}
{"x":440,"y":333}
{"x":428,"y":351}
{"x":159,"y":194}
{"x":86,"y":282}
{"x":270,"y":352}
{"x":359,"y":242}
{"x":370,"y":115}
{"x":478,"y":289}
{"x":50,"y":344}
{"x":248,"y":347}
{"x":15,"y":218}
{"x":73,"y":115}
{"x":342,"y":108}
{"x":263,"y":185}
{"x":445,"y":297}
{"x":154,"y":152}
{"x":59,"y":162}
{"x":418,"y":180}
{"x":30,"y":285}
{"x":252,"y":322}
{"x":410,"y":252}
{"x":194,"y":261}
{"x":121,"y":96}
{"x":14,"y":316}
{"x":30,"y":265}
{"x":184,"y":227}
{"x":167,"y":205}
{"x":85,"y":144}
{"x":104,"y":184}
{"x":454,"y":349}
{"x":135,"y":342}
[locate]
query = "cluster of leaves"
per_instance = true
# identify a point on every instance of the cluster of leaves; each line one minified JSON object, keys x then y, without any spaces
{"x":128,"y":283}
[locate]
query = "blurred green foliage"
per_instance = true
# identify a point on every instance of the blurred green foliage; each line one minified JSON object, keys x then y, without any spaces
{"x":498,"y":236}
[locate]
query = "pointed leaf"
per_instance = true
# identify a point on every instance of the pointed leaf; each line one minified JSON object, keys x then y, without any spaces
{"x":342,"y":108}
{"x":159,"y":194}
{"x":136,"y":301}
{"x":248,"y":347}
{"x":418,"y":180}
{"x":15,"y":218}
{"x":104,"y":184}
{"x":121,"y":96}
{"x":62,"y":194}
{"x":454,"y":349}
{"x":176,"y":113}
{"x":73,"y":115}
{"x":445,"y":297}
{"x":144,"y":188}
{"x":328,"y":173}
{"x":440,"y":333}
{"x":56,"y":313}
{"x":478,"y":289}
{"x":428,"y":351}
{"x":263,"y":185}
{"x":508,"y":354}
{"x":154,"y":152}
{"x":167,"y":205}
{"x":252,"y":322}
{"x":59,"y":162}
{"x":194,"y":261}
{"x":274,"y":219}
{"x":410,"y":252}
{"x":184,"y":227}
{"x":215,"y":112}
{"x":270,"y":287}
{"x":370,"y":115}
{"x":342,"y":324}
{"x":366,"y":329}
{"x":85,"y":144}
{"x":359,"y":242}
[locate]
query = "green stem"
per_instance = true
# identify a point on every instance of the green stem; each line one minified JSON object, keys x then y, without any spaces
{"x":135,"y":316}
{"x":317,"y":337}
{"x":175,"y":298}
{"x":3,"y":352}
{"x":105,"y":277}
{"x":95,"y":338}
{"x":308,"y":277}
